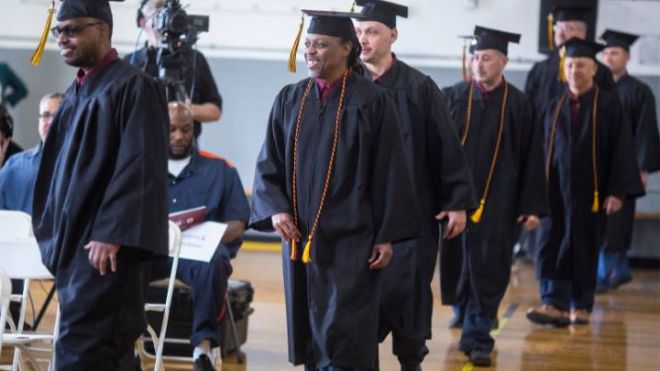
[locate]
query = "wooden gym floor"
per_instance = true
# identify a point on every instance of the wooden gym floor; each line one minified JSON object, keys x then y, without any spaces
{"x":624,"y":333}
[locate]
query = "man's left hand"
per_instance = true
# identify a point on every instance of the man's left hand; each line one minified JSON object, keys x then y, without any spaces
{"x":456,"y":221}
{"x":381,"y":254}
{"x":612,"y":205}
{"x":100,"y":253}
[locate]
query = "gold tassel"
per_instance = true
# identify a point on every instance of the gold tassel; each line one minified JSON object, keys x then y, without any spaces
{"x":596,"y":205}
{"x":36,"y":57}
{"x":296,"y":43}
{"x":562,"y":64}
{"x":352,"y":8}
{"x":551,"y":35}
{"x":294,"y":250}
{"x":476,"y":216}
{"x":463,"y":69}
{"x":306,"y":258}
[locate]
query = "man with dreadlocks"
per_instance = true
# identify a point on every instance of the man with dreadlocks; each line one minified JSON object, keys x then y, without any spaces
{"x":331,"y":179}
{"x":504,"y":149}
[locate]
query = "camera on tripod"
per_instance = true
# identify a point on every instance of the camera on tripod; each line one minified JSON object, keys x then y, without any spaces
{"x":179,"y":33}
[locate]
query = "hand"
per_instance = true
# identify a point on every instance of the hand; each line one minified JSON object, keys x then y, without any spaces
{"x":284,"y":226}
{"x":99,"y":253}
{"x":612,"y":205}
{"x":455,"y":224}
{"x":529,"y":222}
{"x":645,"y":178}
{"x":381,"y":254}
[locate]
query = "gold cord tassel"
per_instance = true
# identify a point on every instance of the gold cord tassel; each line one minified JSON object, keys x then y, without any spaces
{"x":476,"y":216}
{"x":352,"y":8}
{"x":463,"y":69}
{"x":562,"y":64}
{"x":296,"y":43}
{"x":551,"y":35}
{"x":36,"y":57}
{"x":294,"y":250}
{"x":595,"y":207}
{"x":306,"y":258}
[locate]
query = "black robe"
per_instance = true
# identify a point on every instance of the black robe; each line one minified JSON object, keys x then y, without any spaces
{"x":571,"y":236}
{"x":478,"y":263}
{"x":543,"y":83}
{"x":639,"y":110}
{"x":332,"y":303}
{"x":101,"y":175}
{"x":442,"y":182}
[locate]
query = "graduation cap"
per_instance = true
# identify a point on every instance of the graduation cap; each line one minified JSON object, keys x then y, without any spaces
{"x":384,"y":12}
{"x":618,"y":38}
{"x":489,"y":38}
{"x":566,"y":10}
{"x":582,"y":48}
{"x":329,"y":23}
{"x":98,"y":9}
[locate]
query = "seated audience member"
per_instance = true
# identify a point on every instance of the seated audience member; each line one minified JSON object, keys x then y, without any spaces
{"x":8,"y":147}
{"x":18,"y":175}
{"x":199,"y":179}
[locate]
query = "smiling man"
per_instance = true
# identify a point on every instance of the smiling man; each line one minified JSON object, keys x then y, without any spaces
{"x":332,"y":181}
{"x":100,"y":199}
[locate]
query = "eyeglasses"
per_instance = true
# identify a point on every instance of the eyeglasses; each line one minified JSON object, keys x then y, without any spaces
{"x":71,"y":30}
{"x":46,"y":115}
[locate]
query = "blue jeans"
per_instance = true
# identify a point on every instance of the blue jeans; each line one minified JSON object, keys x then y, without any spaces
{"x":613,"y":266}
{"x":567,"y":295}
{"x":476,"y":330}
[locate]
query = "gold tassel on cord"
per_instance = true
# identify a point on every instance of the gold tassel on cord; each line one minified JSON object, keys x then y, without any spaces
{"x":296,"y":43}
{"x":476,"y":216}
{"x":551,"y":35}
{"x":294,"y":250}
{"x":306,"y":258}
{"x":463,"y":69}
{"x":36,"y":57}
{"x":562,"y":64}
{"x":595,"y":207}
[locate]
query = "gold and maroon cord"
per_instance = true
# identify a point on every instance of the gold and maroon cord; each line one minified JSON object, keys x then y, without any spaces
{"x":595,"y":206}
{"x":306,"y":258}
{"x":476,"y":216}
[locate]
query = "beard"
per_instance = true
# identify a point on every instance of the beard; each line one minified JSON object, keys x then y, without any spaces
{"x":81,"y":56}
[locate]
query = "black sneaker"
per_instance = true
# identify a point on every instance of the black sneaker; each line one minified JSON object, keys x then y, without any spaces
{"x":203,"y":363}
{"x":479,"y":358}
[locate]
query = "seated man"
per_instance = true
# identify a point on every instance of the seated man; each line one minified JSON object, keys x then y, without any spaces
{"x":198,"y":179}
{"x":8,"y":147}
{"x":18,"y":175}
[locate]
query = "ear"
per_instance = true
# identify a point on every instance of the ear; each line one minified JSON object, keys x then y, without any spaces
{"x":346,"y":48}
{"x":394,"y":33}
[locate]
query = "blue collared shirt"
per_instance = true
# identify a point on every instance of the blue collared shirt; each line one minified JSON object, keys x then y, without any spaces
{"x":212,"y":182}
{"x":17,"y":179}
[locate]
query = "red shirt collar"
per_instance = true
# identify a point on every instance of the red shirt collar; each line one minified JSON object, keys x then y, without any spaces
{"x":326,"y":87}
{"x":575,"y":98}
{"x":81,"y":76}
{"x":486,"y":94}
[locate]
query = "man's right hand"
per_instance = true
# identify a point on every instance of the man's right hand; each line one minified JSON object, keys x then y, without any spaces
{"x":284,"y":226}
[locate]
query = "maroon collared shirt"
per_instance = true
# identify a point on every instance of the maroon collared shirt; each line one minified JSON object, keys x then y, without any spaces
{"x":487,"y":94}
{"x":325,"y":88}
{"x":81,"y":76}
{"x":575,"y":103}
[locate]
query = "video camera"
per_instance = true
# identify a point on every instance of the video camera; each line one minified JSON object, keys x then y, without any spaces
{"x":179,"y":33}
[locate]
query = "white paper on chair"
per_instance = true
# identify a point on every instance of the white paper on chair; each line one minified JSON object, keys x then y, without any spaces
{"x":200,"y":241}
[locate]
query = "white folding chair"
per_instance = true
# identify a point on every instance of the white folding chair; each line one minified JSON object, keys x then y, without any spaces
{"x":159,"y":340}
{"x":20,"y":259}
{"x":5,"y":294}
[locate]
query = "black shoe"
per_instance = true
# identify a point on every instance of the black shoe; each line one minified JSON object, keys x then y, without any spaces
{"x":203,"y":363}
{"x":456,"y":322}
{"x":479,"y":358}
{"x":615,"y":283}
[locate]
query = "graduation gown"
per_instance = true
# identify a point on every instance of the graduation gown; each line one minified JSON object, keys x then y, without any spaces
{"x":103,"y":173}
{"x":441,"y":182}
{"x":572,"y":235}
{"x":639,"y":109}
{"x":332,"y":303}
{"x":477,"y":264}
{"x":543,"y":83}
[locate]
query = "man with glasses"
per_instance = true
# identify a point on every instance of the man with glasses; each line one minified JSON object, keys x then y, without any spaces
{"x":100,"y":198}
{"x":18,"y":175}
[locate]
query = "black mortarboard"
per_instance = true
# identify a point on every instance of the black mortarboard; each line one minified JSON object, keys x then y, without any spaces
{"x":384,"y":12}
{"x":618,"y":38}
{"x":582,"y":48}
{"x":571,"y":12}
{"x":98,"y":9}
{"x":337,"y":24}
{"x":488,"y":38}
